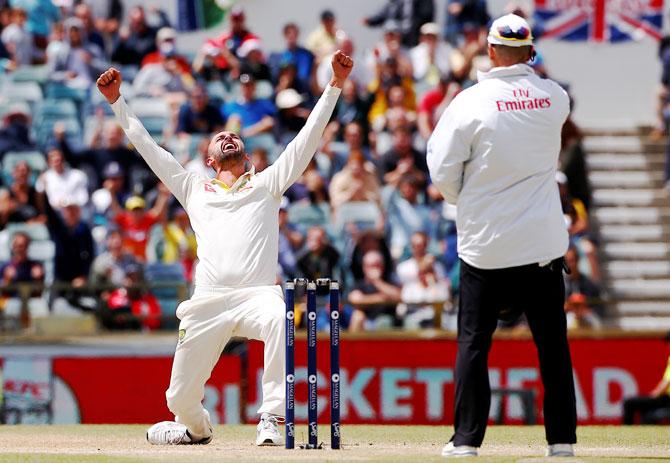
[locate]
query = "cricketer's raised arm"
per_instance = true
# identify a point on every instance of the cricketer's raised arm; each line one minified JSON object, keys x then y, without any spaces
{"x":294,"y":160}
{"x":178,"y":180}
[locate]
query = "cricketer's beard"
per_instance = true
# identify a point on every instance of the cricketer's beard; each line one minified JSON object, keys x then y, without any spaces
{"x":230,"y":149}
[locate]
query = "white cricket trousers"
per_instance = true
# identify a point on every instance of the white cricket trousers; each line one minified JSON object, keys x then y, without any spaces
{"x":208,"y":320}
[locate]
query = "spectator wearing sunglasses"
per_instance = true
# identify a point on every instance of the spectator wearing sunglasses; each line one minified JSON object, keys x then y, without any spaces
{"x":494,"y":154}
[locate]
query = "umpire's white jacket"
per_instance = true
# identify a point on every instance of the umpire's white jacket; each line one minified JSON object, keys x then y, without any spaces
{"x":494,"y":154}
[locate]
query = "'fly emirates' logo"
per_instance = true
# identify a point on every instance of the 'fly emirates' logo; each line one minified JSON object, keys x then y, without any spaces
{"x":523,"y":102}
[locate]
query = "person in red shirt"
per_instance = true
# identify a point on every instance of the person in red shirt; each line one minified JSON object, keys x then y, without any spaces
{"x":135,"y":221}
{"x":434,"y":102}
{"x":165,"y":44}
{"x":222,"y":51}
{"x":133,"y":306}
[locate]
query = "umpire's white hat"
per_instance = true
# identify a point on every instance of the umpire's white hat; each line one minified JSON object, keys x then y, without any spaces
{"x":510,"y":30}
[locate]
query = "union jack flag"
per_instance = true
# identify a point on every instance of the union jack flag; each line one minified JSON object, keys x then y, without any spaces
{"x":598,"y":20}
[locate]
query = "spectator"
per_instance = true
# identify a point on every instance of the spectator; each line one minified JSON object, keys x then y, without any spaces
{"x":321,"y":41}
{"x":434,"y":102}
{"x":113,"y":185}
{"x":357,"y":181}
{"x":18,"y":41}
{"x":406,"y":215}
{"x":138,"y":40}
{"x":111,"y":267}
{"x":352,"y":109}
{"x":290,"y":241}
{"x":388,"y":76}
{"x":15,"y":131}
{"x":300,"y":58}
{"x":251,"y":116}
{"x":573,"y":163}
{"x":133,"y":306}
{"x":373,"y":298}
{"x":74,"y":251}
{"x":366,"y":241}
{"x":180,"y":244}
{"x":84,"y":13}
{"x":61,"y":183}
{"x":291,"y":115}
{"x":252,"y":61}
{"x":578,"y":314}
{"x":83,"y":62}
{"x":198,"y":165}
{"x":221,"y":53}
{"x":166,"y":46}
{"x":409,"y":15}
{"x":359,"y":75}
{"x":40,"y":14}
{"x":658,"y":400}
{"x":136,"y":222}
{"x":259,"y":159}
{"x":402,"y":160}
{"x":576,"y":283}
{"x":108,"y":15}
{"x":58,"y":46}
{"x":198,"y":115}
{"x":20,"y":203}
{"x":462,"y":14}
{"x":431,"y":58}
{"x":319,"y":259}
{"x":164,"y":79}
{"x":423,"y":281}
{"x":20,"y":268}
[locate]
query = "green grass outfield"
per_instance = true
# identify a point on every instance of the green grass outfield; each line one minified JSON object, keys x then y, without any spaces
{"x":116,"y":444}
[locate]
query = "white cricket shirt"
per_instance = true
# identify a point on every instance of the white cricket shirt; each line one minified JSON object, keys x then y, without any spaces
{"x":494,"y":154}
{"x":236,"y":228}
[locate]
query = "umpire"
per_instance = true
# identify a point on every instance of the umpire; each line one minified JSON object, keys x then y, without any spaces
{"x":494,"y":153}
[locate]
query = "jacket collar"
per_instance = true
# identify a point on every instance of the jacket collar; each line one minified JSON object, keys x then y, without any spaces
{"x":239,"y":183}
{"x":520,"y":69}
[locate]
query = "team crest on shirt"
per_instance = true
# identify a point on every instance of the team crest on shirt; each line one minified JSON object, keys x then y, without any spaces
{"x":182,"y":335}
{"x":209,"y":188}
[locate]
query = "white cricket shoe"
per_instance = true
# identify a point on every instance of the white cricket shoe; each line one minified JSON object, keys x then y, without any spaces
{"x":172,"y":433}
{"x":267,"y":431}
{"x":560,"y":450}
{"x":455,"y":451}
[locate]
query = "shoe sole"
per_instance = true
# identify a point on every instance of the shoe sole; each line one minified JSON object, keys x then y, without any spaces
{"x":562,"y":454}
{"x":268,"y":443}
{"x":459,"y":455}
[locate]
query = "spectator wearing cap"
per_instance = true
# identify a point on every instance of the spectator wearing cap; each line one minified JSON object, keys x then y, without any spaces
{"x":357,"y":181}
{"x":409,"y":14}
{"x":20,"y":268}
{"x":198,"y":165}
{"x":431,"y":58}
{"x":291,"y":114}
{"x":252,"y":60}
{"x":20,"y":202}
{"x":462,"y":14}
{"x":18,"y":41}
{"x":434,"y":102}
{"x":198,"y":115}
{"x":15,"y":131}
{"x":164,"y":78}
{"x":250,"y":115}
{"x":61,"y":183}
{"x":166,"y":45}
{"x":221,"y":53}
{"x":322,"y":41}
{"x":84,"y":13}
{"x":299,"y":57}
{"x":81,"y":63}
{"x":135,"y":222}
{"x":113,"y":185}
{"x":75,"y":249}
{"x":138,"y":39}
{"x":374,"y":297}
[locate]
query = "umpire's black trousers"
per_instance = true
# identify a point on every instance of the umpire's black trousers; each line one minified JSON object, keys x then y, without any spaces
{"x":539,"y":293}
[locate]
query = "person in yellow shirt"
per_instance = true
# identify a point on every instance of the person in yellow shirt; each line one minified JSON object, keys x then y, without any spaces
{"x":180,"y":243}
{"x":645,"y":406}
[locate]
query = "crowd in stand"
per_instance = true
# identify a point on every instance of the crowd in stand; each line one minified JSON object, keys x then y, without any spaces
{"x":364,"y":211}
